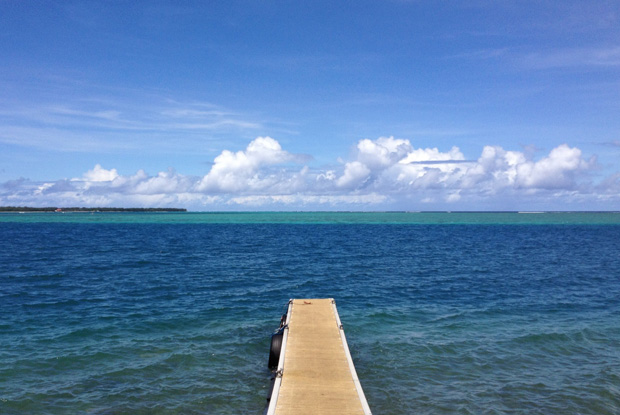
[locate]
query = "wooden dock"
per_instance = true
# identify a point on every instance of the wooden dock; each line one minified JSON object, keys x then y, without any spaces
{"x":315,"y":373}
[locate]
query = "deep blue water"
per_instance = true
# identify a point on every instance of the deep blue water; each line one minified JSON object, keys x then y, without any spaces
{"x":175,"y":318}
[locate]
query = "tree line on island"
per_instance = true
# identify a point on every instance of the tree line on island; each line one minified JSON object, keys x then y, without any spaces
{"x":85,"y":209}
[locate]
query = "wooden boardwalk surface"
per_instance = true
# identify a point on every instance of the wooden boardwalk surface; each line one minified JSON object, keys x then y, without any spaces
{"x":317,"y":374}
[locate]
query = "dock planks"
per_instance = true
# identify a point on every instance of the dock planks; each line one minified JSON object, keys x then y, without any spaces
{"x":317,"y":373}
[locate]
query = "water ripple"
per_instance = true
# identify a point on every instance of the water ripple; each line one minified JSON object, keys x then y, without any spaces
{"x":175,"y":319}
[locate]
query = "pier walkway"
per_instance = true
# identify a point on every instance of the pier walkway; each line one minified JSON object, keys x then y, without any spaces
{"x":315,"y":372}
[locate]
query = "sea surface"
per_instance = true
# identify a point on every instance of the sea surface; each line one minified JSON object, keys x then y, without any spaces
{"x":444,"y":313}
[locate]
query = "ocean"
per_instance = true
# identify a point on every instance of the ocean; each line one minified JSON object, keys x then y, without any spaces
{"x":444,"y":313}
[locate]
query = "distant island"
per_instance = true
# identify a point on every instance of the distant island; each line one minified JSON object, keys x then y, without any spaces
{"x":85,"y":209}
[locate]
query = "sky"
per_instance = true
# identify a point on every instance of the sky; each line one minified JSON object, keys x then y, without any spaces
{"x":311,"y":105}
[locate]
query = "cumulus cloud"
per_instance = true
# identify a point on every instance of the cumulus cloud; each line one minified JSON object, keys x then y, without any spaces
{"x":382,"y":152}
{"x":383,"y":173}
{"x":245,"y":170}
{"x":99,"y":174}
{"x":355,"y":174}
{"x":556,"y":171}
{"x":395,"y":165}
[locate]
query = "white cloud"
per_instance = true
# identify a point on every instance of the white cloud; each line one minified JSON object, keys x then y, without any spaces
{"x":384,"y":173}
{"x":556,"y":171}
{"x":242,"y":171}
{"x":99,"y":174}
{"x":298,"y":200}
{"x":453,"y":197}
{"x":164,"y":183}
{"x":382,"y":152}
{"x":421,"y":155}
{"x":355,"y":174}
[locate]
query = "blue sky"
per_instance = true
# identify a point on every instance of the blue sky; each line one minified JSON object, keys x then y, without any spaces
{"x":278,"y":105}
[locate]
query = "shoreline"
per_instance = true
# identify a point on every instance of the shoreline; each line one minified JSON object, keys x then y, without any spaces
{"x":25,"y":209}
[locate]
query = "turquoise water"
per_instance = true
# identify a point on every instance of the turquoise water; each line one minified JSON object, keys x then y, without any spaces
{"x":412,"y":218}
{"x":460,"y":313}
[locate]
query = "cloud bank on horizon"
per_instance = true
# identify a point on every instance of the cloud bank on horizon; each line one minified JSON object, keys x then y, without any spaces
{"x":385,"y":173}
